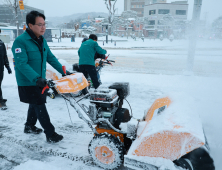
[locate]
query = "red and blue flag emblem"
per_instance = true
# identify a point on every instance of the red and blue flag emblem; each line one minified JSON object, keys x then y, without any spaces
{"x":18,"y":50}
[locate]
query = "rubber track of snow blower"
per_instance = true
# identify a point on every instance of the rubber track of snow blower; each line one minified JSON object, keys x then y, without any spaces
{"x":85,"y":159}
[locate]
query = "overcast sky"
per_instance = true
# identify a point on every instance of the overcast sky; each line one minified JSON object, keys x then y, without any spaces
{"x":210,"y":9}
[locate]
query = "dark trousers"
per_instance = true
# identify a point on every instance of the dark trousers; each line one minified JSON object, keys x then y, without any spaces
{"x":90,"y":70}
{"x":40,"y":112}
{"x":1,"y":78}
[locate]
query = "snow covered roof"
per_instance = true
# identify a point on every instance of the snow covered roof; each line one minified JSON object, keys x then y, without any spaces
{"x":99,"y":19}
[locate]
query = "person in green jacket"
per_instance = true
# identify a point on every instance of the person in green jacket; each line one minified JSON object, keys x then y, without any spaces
{"x":31,"y":52}
{"x":86,"y":54}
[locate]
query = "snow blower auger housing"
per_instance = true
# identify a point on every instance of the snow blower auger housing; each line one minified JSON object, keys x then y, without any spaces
{"x":162,"y":137}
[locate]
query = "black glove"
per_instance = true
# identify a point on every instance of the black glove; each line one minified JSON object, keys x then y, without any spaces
{"x":68,"y":73}
{"x":41,"y":82}
{"x":9,"y":70}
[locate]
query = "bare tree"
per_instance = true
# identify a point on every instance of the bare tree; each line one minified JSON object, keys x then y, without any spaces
{"x":110,"y":5}
{"x":13,"y":5}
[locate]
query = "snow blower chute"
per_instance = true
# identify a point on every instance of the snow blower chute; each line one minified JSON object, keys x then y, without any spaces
{"x":164,"y":139}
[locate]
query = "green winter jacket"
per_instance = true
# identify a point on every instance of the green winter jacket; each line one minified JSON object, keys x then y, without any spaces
{"x":29,"y":64}
{"x":87,"y":52}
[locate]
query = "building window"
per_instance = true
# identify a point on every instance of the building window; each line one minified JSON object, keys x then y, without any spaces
{"x":181,"y":12}
{"x":151,"y":22}
{"x":152,"y":12}
{"x":163,"y":11}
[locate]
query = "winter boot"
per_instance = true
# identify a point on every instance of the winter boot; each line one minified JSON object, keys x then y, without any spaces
{"x":32,"y":129}
{"x":54,"y":138}
{"x":3,"y":104}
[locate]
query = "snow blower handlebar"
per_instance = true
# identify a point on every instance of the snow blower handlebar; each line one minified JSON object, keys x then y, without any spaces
{"x":46,"y":87}
{"x":64,"y":69}
{"x":49,"y":84}
{"x":102,"y":62}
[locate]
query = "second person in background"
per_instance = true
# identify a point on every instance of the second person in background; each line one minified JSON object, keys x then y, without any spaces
{"x":86,"y":54}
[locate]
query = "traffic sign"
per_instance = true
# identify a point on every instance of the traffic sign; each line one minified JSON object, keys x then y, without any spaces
{"x":21,"y":5}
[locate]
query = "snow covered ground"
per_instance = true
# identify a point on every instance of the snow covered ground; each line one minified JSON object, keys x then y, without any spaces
{"x":156,"y":69}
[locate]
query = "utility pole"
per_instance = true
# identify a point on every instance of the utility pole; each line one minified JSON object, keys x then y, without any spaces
{"x":193,"y":35}
{"x":16,"y":16}
{"x":106,"y":26}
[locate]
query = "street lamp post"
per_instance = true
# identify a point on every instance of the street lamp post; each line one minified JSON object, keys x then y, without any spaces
{"x":193,"y":35}
{"x":16,"y":16}
{"x":106,"y":25}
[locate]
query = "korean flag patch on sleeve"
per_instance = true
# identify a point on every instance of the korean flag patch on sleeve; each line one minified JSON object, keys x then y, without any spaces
{"x":18,"y":50}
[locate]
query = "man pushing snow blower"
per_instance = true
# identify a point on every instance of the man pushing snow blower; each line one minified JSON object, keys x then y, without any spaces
{"x":86,"y":54}
{"x":31,"y":52}
{"x":97,"y":56}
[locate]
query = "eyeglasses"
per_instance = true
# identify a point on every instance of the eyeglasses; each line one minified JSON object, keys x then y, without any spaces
{"x":41,"y":25}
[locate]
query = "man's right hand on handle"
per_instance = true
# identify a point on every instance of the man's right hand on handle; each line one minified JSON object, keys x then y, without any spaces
{"x":41,"y":82}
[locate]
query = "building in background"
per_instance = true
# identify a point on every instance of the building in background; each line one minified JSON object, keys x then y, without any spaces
{"x":165,"y":18}
{"x":135,"y":5}
{"x":138,"y":5}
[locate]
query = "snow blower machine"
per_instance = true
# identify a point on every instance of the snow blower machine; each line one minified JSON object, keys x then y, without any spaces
{"x":162,"y":140}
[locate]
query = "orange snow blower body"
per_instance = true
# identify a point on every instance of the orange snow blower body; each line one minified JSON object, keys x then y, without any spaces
{"x":170,"y":143}
{"x":51,"y":75}
{"x":71,"y":84}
